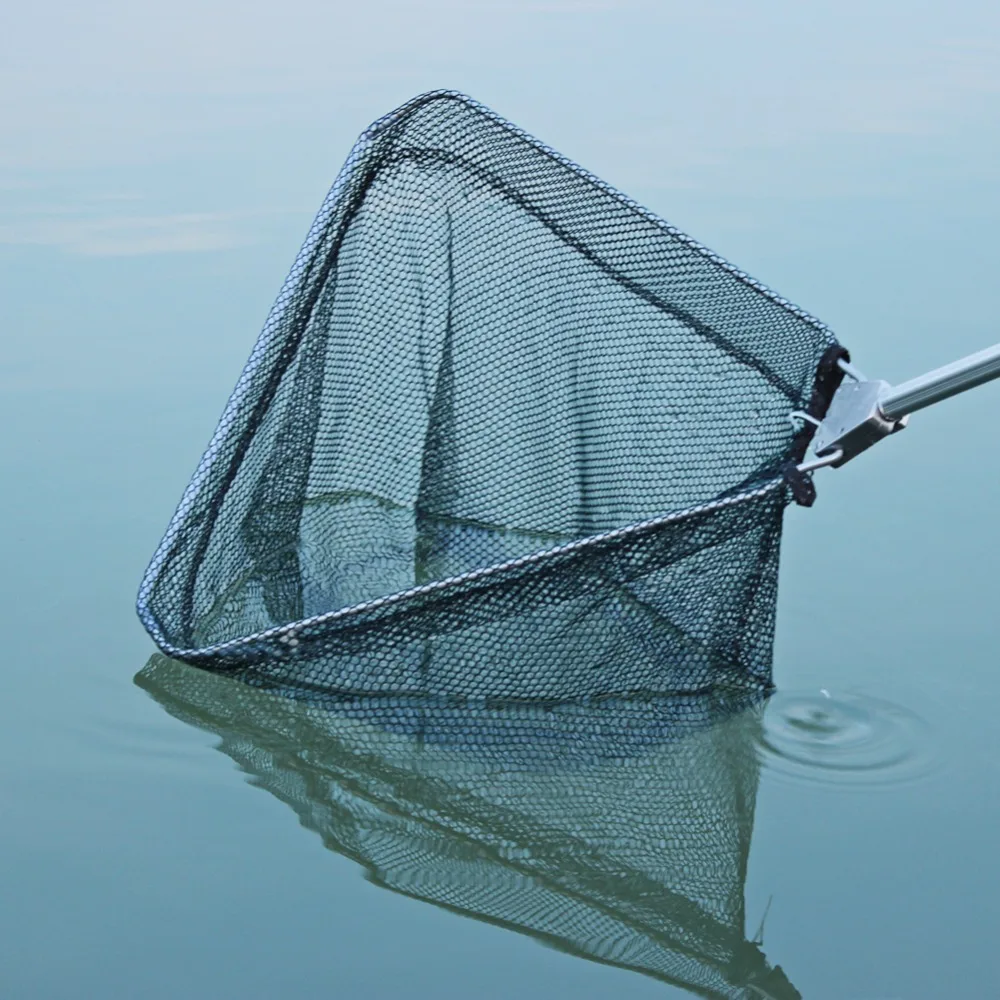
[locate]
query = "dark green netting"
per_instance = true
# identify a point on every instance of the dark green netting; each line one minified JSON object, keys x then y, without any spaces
{"x":495,"y":400}
{"x":617,"y":833}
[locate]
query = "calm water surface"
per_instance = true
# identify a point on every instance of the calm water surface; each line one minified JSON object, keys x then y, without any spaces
{"x":160,"y":165}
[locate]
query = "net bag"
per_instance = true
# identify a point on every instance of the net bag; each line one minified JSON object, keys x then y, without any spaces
{"x":617,"y":833}
{"x":495,"y":401}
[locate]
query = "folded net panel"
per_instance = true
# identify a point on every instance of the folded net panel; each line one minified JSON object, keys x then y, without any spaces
{"x":494,"y":397}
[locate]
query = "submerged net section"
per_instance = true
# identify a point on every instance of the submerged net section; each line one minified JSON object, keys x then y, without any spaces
{"x":494,"y":399}
{"x":619,"y":834}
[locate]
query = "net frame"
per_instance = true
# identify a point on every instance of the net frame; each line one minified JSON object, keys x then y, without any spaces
{"x":284,"y":641}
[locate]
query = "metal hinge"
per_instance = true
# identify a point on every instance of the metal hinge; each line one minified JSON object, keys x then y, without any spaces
{"x":863,"y":411}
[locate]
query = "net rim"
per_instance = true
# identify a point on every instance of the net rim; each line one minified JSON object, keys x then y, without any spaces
{"x":288,"y":631}
{"x":386,"y":121}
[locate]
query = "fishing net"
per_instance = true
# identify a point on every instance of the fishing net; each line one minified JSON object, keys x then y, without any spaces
{"x":617,"y":833}
{"x":495,"y":400}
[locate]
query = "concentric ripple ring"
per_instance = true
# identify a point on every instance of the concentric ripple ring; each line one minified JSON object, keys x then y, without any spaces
{"x":843,"y":738}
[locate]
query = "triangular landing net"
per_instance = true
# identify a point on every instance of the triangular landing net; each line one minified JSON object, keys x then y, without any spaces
{"x":496,"y":403}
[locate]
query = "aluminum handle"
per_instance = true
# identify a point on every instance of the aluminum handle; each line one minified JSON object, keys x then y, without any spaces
{"x":925,"y":390}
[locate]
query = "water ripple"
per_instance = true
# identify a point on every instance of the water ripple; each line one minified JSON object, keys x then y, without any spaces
{"x":844,"y":739}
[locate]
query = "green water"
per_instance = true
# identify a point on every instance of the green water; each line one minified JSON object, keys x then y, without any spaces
{"x":160,"y":165}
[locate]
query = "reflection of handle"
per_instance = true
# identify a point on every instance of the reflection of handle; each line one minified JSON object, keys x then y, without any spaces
{"x":925,"y":390}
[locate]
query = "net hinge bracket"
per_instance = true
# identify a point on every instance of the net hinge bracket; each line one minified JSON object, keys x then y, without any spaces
{"x":855,"y":419}
{"x":863,"y":411}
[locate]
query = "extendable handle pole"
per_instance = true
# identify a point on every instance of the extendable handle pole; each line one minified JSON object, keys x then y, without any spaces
{"x":925,"y":390}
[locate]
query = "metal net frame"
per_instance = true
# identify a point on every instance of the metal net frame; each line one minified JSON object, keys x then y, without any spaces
{"x":496,"y":401}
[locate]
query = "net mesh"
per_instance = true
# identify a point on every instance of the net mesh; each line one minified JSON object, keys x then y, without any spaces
{"x":619,"y":834}
{"x":495,"y":399}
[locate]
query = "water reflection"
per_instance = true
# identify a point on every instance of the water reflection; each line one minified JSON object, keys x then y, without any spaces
{"x":618,"y":832}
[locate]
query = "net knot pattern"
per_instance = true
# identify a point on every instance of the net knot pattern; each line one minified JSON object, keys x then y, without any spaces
{"x":495,"y":400}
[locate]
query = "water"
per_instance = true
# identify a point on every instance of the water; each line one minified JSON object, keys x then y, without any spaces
{"x":158,"y":171}
{"x":849,"y":738}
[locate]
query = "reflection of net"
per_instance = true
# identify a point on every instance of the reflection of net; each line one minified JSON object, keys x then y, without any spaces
{"x":481,"y":354}
{"x":618,"y":833}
